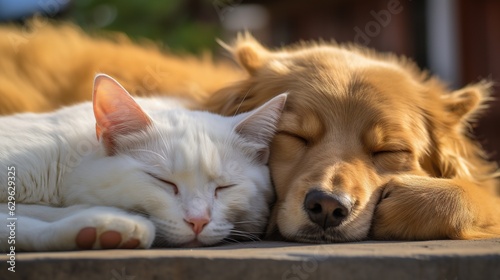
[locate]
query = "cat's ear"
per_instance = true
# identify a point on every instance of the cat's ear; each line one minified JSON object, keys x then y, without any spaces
{"x":259,"y":125}
{"x":115,"y":111}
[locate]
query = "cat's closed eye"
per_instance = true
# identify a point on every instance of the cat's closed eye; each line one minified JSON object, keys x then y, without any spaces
{"x":221,"y":188}
{"x":174,"y":186}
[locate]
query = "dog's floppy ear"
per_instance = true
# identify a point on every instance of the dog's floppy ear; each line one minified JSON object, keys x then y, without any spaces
{"x":248,"y":52}
{"x":451,"y":152}
{"x":464,"y":104}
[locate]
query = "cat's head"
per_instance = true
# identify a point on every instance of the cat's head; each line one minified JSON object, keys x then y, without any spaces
{"x":200,"y":177}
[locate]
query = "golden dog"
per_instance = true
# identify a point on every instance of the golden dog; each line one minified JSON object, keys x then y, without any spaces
{"x":368,"y":146}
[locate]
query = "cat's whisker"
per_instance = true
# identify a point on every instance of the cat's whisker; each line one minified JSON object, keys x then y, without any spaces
{"x":240,"y":227}
{"x":166,"y":144}
{"x":149,"y":151}
{"x":242,"y":100}
{"x":248,"y":222}
{"x":249,"y":236}
{"x":246,"y":238}
{"x":244,"y":231}
{"x":252,"y":232}
{"x":246,"y":235}
{"x":230,"y":240}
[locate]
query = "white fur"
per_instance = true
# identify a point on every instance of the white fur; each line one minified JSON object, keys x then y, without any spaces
{"x":60,"y":163}
{"x":42,"y":228}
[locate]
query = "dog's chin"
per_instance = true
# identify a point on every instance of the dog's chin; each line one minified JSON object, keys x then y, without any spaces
{"x":316,"y":234}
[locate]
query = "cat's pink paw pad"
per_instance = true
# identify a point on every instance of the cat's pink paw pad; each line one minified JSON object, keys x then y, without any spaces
{"x":131,"y":244}
{"x":86,"y":238}
{"x":108,"y":228}
{"x":110,"y":239}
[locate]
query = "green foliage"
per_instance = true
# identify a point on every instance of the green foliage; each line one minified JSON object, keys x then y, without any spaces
{"x":180,"y":25}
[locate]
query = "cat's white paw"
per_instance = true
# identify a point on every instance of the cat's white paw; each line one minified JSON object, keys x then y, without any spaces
{"x":104,"y":228}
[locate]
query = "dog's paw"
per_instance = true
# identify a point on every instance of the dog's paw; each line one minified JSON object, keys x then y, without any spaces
{"x":105,"y":228}
{"x":420,"y":208}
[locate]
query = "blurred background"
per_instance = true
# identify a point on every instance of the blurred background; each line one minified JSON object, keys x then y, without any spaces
{"x":458,"y":40}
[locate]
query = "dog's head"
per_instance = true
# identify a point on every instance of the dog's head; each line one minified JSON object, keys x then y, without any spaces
{"x":354,"y":119}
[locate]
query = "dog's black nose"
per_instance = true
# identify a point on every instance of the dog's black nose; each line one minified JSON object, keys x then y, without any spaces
{"x":325,"y":209}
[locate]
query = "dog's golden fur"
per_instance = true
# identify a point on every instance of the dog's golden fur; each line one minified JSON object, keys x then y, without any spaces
{"x":376,"y":130}
{"x":370,"y":128}
{"x":46,"y":65}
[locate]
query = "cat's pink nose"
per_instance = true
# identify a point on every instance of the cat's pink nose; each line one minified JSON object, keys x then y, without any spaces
{"x":197,"y":224}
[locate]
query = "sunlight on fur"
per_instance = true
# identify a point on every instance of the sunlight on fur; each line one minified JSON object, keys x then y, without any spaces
{"x":369,"y":146}
{"x":142,"y":170}
{"x":45,"y":66}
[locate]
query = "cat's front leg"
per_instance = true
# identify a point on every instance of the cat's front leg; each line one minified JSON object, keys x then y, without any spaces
{"x":419,"y":208}
{"x":106,"y":228}
{"x":92,"y":228}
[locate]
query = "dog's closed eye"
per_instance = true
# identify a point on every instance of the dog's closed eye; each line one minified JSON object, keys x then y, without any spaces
{"x":294,"y":137}
{"x":389,"y":152}
{"x":393,"y":160}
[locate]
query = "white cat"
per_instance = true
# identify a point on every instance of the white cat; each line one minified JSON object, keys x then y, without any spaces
{"x":165,"y":174}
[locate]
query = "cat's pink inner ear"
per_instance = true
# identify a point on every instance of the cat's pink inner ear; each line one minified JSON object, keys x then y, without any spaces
{"x":115,"y":111}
